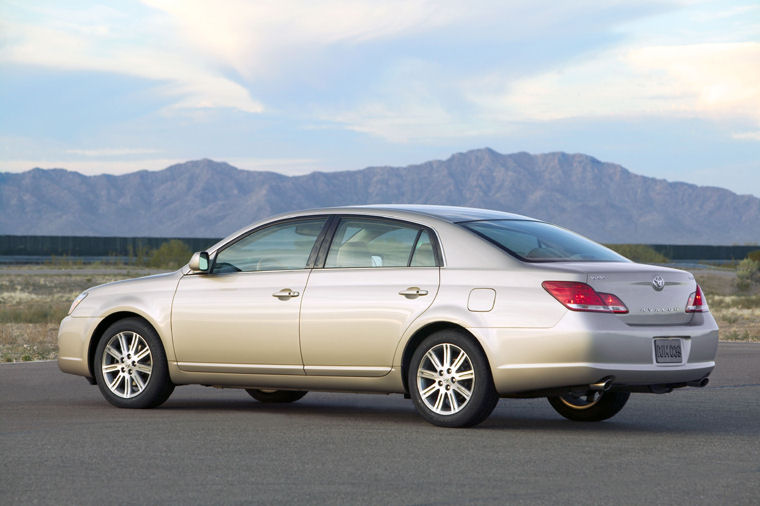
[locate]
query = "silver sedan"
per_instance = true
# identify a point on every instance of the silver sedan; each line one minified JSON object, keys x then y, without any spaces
{"x":453,"y":307}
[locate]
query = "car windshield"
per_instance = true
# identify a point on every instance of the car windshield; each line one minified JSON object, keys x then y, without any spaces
{"x":536,"y":241}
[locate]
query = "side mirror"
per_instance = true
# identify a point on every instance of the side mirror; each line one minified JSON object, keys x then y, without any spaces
{"x":199,"y":262}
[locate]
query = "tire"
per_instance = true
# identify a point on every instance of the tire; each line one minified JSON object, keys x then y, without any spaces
{"x":450,"y":380}
{"x":589,"y":407}
{"x":130,"y":365}
{"x":275,"y":396}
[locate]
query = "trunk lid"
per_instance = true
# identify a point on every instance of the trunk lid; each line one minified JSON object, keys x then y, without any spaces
{"x":654,"y":295}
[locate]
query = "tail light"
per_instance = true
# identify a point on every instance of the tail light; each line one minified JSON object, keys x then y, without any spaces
{"x":697,"y":302}
{"x":581,"y":297}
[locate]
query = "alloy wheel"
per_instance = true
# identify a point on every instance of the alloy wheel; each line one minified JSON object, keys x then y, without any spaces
{"x":127,"y":364}
{"x":445,"y":379}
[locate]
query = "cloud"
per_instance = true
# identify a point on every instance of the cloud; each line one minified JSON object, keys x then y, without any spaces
{"x":261,"y":38}
{"x":107,"y":165}
{"x":102,"y":40}
{"x":108,"y":152}
{"x":747,"y":136}
{"x":706,"y":80}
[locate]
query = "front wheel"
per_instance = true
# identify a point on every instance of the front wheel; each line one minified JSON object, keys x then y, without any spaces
{"x":591,"y":406}
{"x":450,"y":380}
{"x":130,"y":366}
{"x":275,"y":396}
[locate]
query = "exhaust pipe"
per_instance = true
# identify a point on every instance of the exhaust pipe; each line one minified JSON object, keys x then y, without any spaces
{"x":699,"y":383}
{"x":602,"y":385}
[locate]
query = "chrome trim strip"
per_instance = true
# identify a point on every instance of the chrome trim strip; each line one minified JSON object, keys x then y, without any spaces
{"x":241,"y":368}
{"x":606,"y":366}
{"x":341,"y":370}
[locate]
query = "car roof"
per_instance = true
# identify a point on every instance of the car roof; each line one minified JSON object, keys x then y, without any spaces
{"x":451,"y":214}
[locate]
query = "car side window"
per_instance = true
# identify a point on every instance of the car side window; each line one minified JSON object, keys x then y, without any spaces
{"x":424,"y":255}
{"x":374,"y":243}
{"x":283,"y":246}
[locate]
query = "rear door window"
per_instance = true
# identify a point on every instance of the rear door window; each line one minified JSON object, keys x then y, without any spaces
{"x":360,"y":242}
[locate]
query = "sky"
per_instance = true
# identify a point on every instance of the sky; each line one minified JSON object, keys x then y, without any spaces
{"x":668,"y":89}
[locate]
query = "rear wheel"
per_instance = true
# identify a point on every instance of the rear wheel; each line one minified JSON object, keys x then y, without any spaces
{"x":275,"y":396}
{"x":450,"y":380}
{"x":591,"y":406}
{"x":130,"y":365}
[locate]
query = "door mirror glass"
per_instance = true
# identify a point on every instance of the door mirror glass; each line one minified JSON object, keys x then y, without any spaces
{"x":199,"y":262}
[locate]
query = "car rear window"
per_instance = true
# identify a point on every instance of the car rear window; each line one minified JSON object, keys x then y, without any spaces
{"x":536,"y":241}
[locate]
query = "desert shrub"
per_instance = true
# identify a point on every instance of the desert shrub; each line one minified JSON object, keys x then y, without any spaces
{"x":639,"y":253}
{"x":754,"y":255}
{"x":735,"y":302}
{"x":747,"y":272}
{"x":34,"y":312}
{"x":170,"y":255}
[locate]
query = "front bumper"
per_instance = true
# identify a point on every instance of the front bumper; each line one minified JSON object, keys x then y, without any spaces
{"x":583,"y":348}
{"x":74,"y":344}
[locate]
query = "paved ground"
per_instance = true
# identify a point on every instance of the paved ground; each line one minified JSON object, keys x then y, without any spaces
{"x":62,"y":443}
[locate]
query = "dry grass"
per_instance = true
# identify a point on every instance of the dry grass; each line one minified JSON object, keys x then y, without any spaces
{"x":737,"y":312}
{"x":34,"y":299}
{"x":28,"y":341}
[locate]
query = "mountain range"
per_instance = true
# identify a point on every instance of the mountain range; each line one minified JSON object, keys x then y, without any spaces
{"x":205,"y":198}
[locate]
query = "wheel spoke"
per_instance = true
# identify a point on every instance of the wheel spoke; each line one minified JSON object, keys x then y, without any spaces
{"x":140,"y":383}
{"x":446,"y":356}
{"x":113,"y":352}
{"x":431,"y":356}
{"x":115,"y":382}
{"x":463,"y":391}
{"x":452,"y":401}
{"x":428,"y":391}
{"x":458,"y":362}
{"x":145,"y":369}
{"x":466,"y":375}
{"x":424,"y":373}
{"x":439,"y":401}
{"x":123,"y":344}
{"x":142,"y":354}
{"x":133,"y":344}
{"x":581,"y":401}
{"x":111,"y":368}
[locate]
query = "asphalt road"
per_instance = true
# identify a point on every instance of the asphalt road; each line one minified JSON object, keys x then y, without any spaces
{"x":60,"y":442}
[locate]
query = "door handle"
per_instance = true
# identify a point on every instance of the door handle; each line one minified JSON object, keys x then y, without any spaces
{"x":413,"y":292}
{"x":285,"y":294}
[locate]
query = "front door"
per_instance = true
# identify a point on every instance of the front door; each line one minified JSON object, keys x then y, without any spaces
{"x":242,"y":317}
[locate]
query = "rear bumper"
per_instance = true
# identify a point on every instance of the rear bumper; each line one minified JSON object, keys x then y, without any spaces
{"x":583,"y":348}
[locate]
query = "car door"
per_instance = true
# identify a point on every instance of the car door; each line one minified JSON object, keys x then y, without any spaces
{"x":378,"y":277}
{"x":243,"y":316}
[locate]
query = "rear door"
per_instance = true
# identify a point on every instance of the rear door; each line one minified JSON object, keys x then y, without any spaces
{"x":378,"y":277}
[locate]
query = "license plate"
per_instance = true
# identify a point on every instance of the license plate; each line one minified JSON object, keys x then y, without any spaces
{"x":668,"y":351}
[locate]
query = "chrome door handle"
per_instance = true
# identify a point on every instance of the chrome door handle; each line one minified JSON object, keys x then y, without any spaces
{"x":285,"y":293}
{"x":413,"y":292}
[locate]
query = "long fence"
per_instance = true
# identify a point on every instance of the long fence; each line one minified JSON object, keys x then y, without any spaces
{"x":683,"y":252}
{"x":83,"y":246}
